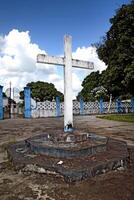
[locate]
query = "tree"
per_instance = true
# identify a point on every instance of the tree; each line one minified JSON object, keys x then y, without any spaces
{"x":100,"y":92}
{"x":89,"y":83}
{"x":4,"y":94}
{"x":41,"y":91}
{"x":117,"y":51}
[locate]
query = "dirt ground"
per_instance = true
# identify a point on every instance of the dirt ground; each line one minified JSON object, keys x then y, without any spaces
{"x":116,"y":185}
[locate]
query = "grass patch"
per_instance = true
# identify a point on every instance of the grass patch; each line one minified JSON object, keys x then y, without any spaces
{"x":119,"y":117}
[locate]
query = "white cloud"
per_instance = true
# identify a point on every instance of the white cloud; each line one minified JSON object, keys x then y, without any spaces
{"x":89,"y":54}
{"x":18,"y":60}
{"x":18,"y":63}
{"x":57,"y":80}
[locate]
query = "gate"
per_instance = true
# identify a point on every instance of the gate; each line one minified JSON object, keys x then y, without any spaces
{"x":13,"y":106}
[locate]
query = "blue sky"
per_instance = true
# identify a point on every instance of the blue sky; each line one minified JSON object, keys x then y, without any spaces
{"x":48,"y":20}
{"x":27,"y":27}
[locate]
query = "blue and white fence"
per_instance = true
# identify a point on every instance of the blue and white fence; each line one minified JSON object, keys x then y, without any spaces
{"x":56,"y":108}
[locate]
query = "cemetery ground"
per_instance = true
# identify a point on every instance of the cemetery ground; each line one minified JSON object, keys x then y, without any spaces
{"x":14,"y":185}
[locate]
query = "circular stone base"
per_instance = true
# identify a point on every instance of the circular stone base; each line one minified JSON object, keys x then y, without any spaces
{"x":74,"y":144}
{"x":74,"y":168}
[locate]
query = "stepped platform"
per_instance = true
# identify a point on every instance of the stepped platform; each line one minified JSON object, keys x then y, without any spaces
{"x":75,"y":156}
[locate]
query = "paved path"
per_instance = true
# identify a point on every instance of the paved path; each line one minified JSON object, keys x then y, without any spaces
{"x":12,"y":130}
{"x":118,"y":130}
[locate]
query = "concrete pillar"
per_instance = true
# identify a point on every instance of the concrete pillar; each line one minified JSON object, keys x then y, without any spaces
{"x":132,"y":103}
{"x":1,"y":103}
{"x":57,"y":106}
{"x":118,"y":105}
{"x":27,"y":100}
{"x":101,"y":105}
{"x":68,"y":104}
{"x":81,"y":106}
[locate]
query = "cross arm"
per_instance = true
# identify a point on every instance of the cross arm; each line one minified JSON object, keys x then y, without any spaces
{"x":82,"y":64}
{"x":42,"y":58}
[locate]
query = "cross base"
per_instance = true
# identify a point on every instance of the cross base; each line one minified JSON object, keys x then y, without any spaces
{"x":73,"y":156}
{"x":68,"y":128}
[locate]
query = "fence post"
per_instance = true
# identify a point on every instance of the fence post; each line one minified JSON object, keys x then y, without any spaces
{"x":27,"y":100}
{"x":132,"y":103}
{"x":1,"y":102}
{"x":57,"y":106}
{"x":118,"y":105}
{"x":81,"y":106}
{"x":101,"y":105}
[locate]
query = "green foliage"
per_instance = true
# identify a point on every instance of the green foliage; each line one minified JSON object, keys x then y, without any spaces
{"x":4,"y":94}
{"x":119,"y":117}
{"x":92,"y":88}
{"x":22,"y":95}
{"x":89,"y":83}
{"x":100,"y":92}
{"x":42,"y":91}
{"x":117,"y":51}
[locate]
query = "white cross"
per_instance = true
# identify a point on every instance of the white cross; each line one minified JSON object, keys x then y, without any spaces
{"x":68,"y":63}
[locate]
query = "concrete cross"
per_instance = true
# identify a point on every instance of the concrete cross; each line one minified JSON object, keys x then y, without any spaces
{"x":68,"y":63}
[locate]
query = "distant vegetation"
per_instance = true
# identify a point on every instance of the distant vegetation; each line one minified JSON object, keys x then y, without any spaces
{"x":117,"y":51}
{"x":42,"y":91}
{"x":4,"y":94}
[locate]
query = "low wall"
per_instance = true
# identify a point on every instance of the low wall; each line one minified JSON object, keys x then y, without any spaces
{"x":51,"y":109}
